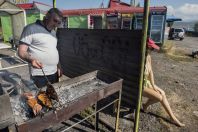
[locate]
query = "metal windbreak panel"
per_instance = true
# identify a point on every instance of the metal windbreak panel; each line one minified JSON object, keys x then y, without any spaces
{"x":113,"y":51}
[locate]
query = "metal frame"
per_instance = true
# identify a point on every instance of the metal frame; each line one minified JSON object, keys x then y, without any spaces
{"x":96,"y":114}
{"x":11,"y":67}
{"x":49,"y":119}
{"x":161,"y":30}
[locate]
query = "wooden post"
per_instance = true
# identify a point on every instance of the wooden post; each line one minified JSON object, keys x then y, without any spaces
{"x":143,"y":49}
{"x":54,"y":3}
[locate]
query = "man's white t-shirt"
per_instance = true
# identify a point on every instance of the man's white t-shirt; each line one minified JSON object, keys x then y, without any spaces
{"x":42,"y":46}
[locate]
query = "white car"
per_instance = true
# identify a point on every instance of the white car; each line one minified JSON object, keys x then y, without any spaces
{"x":176,"y":33}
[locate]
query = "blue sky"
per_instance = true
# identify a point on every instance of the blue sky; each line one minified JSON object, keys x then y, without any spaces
{"x":185,"y":9}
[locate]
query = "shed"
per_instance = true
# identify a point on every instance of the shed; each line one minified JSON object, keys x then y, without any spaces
{"x":12,"y":20}
{"x":34,"y":11}
{"x":30,"y":13}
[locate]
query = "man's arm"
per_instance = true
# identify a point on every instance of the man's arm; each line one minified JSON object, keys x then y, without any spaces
{"x":23,"y":54}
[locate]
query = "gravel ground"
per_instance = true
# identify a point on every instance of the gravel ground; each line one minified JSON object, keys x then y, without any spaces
{"x":179,"y":80}
{"x":177,"y":77}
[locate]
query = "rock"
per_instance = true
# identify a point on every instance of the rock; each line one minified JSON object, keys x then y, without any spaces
{"x":182,"y":84}
{"x":195,"y":113}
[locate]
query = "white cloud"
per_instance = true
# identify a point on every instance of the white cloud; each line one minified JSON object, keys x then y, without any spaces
{"x":188,"y":9}
{"x":170,"y":10}
{"x":187,"y":12}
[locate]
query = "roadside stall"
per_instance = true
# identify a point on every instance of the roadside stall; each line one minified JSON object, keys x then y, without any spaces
{"x":18,"y":20}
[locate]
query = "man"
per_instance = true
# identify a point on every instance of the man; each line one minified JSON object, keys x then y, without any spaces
{"x":37,"y":46}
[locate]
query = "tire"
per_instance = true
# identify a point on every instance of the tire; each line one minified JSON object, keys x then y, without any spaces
{"x":181,"y":39}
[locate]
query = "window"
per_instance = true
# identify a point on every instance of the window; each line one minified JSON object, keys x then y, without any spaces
{"x":138,"y":21}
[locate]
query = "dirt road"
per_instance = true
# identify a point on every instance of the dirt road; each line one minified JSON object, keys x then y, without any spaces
{"x":189,"y":43}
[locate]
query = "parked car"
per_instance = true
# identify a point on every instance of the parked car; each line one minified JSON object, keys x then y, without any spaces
{"x":176,"y":33}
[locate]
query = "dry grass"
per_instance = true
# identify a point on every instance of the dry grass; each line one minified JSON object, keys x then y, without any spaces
{"x":177,"y":54}
{"x":167,"y":46}
{"x":88,"y":111}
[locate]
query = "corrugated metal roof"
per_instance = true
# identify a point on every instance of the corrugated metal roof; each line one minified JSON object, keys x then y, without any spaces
{"x":117,"y":3}
{"x":35,"y":2}
{"x":8,"y":7}
{"x":115,"y":6}
{"x":26,"y":6}
{"x":41,"y":6}
{"x":100,"y":11}
{"x":83,"y":11}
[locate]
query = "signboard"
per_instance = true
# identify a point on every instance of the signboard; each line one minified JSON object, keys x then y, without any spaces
{"x":127,"y":15}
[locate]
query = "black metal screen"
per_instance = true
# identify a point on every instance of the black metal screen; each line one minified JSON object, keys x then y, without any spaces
{"x":114,"y":51}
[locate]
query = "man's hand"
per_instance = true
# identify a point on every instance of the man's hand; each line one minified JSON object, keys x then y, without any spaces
{"x":36,"y":64}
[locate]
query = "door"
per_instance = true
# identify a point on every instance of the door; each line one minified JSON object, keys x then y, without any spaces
{"x":97,"y":20}
{"x":156,"y":30}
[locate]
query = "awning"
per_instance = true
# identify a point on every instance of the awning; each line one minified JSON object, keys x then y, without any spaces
{"x":172,"y":19}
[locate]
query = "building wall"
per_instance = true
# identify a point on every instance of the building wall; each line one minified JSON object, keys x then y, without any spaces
{"x":6,"y":27}
{"x":6,"y":24}
{"x":31,"y":18}
{"x":1,"y":34}
{"x":78,"y":21}
{"x":156,"y":25}
{"x":41,"y":16}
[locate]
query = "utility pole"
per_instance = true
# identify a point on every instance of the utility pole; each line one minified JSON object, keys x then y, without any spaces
{"x":132,"y":3}
{"x":54,"y":3}
{"x":143,"y":56}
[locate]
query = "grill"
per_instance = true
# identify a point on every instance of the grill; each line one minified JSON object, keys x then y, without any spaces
{"x":75,"y":95}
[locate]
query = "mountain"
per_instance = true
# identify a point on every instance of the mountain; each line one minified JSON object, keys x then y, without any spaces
{"x":187,"y":25}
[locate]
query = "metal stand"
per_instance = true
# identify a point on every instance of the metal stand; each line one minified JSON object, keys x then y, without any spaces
{"x":118,"y":112}
{"x":96,"y":117}
{"x":96,"y":114}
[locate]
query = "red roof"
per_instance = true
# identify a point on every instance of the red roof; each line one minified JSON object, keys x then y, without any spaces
{"x":26,"y":6}
{"x":31,"y":5}
{"x":83,"y":12}
{"x":115,"y":6}
{"x":117,"y":3}
{"x":42,"y":3}
{"x":100,"y":11}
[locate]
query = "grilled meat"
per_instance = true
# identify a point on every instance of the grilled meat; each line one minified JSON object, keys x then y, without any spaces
{"x":44,"y":99}
{"x":32,"y":102}
{"x":51,"y":93}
